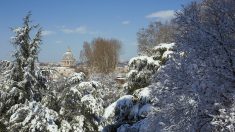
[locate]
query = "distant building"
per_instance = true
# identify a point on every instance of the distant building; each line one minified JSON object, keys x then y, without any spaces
{"x":120,"y":78}
{"x":65,"y":68}
{"x":68,"y":60}
{"x":122,"y":67}
{"x":65,"y":71}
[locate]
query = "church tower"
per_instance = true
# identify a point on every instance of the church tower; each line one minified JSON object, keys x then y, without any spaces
{"x":68,"y":59}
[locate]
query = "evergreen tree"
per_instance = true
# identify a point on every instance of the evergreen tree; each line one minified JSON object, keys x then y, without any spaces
{"x":27,"y":48}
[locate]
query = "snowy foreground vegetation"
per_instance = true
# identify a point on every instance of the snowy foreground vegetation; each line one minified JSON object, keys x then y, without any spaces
{"x":76,"y":104}
{"x":183,"y":86}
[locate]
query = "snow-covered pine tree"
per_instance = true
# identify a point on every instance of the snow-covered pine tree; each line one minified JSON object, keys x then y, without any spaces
{"x":26,"y":54}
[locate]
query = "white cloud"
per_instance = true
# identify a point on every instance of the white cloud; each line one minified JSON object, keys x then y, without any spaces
{"x":126,"y":22}
{"x":162,"y":15}
{"x":47,"y":32}
{"x":80,"y":30}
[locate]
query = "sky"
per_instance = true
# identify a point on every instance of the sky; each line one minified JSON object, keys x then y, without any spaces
{"x":68,"y":23}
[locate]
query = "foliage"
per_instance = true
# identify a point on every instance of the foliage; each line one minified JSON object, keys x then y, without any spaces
{"x":98,"y":58}
{"x":142,"y":68}
{"x":27,"y":48}
{"x":154,"y":34}
{"x":183,"y":86}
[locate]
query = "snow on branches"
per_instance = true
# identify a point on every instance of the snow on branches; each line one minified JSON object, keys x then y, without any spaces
{"x":26,"y":55}
{"x":143,"y":67}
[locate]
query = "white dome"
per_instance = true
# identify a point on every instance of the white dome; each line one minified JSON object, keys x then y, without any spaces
{"x":68,"y":55}
{"x":68,"y":59}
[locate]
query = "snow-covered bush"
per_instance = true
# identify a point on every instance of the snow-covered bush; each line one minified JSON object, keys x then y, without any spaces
{"x":143,"y":67}
{"x":110,"y":86}
{"x":225,"y":120}
{"x":163,"y":51}
{"x":32,"y":116}
{"x":128,"y":109}
{"x":8,"y":98}
{"x":81,"y":105}
{"x":76,"y":78}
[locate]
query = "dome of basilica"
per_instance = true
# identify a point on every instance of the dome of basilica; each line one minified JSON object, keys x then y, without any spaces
{"x":68,"y":59}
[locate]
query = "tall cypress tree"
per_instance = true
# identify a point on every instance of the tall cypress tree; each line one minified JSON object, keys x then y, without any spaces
{"x":26,"y":55}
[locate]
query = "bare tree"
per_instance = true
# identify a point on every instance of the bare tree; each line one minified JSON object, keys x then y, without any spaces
{"x":154,"y":34}
{"x":101,"y":55}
